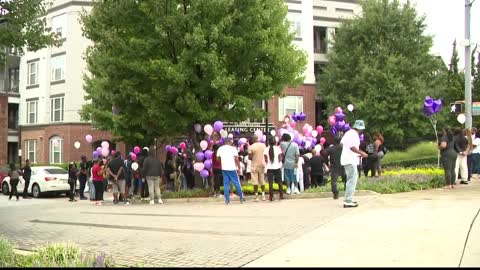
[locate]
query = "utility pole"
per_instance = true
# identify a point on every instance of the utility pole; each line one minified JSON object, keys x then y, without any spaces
{"x":267,"y":133}
{"x":468,"y":66}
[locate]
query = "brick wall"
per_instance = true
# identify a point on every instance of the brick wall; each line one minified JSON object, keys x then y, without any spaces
{"x":308,"y":91}
{"x":70,"y":133}
{"x":3,"y":129}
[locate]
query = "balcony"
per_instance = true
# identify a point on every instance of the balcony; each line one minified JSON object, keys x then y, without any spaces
{"x":12,"y":116}
{"x":320,"y":44}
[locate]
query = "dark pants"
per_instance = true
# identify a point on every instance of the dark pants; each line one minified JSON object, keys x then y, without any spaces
{"x":145,"y":193}
{"x":217,"y":179}
{"x":99,"y":188}
{"x":476,"y":163}
{"x":449,"y":167}
{"x":190,"y":179}
{"x":306,"y":180}
{"x":83,"y":182}
{"x":72,"y":188}
{"x":336,"y":173}
{"x":13,"y":189}
{"x":317,"y":180}
{"x":25,"y":189}
{"x":277,"y":176}
{"x":469,"y":166}
{"x":372,"y":165}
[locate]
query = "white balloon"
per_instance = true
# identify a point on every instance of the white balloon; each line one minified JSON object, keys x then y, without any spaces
{"x":308,"y":144}
{"x":461,"y":118}
{"x":273,"y":132}
{"x":134,"y":166}
{"x":318,"y":148}
{"x":77,"y":144}
{"x":314,"y":133}
{"x":223,"y":133}
{"x":350,"y":107}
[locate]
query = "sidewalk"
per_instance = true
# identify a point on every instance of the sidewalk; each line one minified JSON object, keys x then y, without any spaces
{"x":423,"y":228}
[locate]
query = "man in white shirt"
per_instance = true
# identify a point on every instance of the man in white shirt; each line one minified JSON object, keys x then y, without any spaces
{"x":228,"y":156}
{"x":350,"y":159}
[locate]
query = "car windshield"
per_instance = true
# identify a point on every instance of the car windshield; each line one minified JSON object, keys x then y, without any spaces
{"x":56,"y":171}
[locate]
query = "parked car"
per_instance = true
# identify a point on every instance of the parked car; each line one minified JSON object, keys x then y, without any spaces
{"x":45,"y":179}
{"x":3,"y":174}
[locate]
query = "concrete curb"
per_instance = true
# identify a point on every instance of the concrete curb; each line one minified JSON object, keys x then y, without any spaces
{"x":317,"y":195}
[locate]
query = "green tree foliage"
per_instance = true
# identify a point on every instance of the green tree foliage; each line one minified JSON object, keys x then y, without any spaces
{"x":380,"y":62}
{"x":455,"y":79}
{"x":21,"y":25}
{"x":165,"y":64}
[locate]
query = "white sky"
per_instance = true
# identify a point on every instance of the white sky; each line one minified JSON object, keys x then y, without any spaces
{"x":445,"y":21}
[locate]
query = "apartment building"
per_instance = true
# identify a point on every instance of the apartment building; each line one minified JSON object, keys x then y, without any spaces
{"x":51,"y":82}
{"x":9,"y":107}
{"x":51,"y":90}
{"x":314,"y":23}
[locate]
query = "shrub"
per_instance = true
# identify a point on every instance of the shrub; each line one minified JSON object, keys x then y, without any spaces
{"x":424,"y":151}
{"x":195,"y":193}
{"x":7,"y":256}
{"x":249,"y":189}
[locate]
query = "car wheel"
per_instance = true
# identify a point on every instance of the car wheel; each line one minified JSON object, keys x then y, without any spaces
{"x":36,"y":191}
{"x":5,"y":189}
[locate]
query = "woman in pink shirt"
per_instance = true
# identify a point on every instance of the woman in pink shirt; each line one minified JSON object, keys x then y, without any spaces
{"x":97,"y":179}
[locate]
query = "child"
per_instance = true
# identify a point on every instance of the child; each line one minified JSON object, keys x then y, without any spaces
{"x":137,"y":177}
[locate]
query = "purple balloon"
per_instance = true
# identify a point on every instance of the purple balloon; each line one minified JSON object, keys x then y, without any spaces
{"x":200,"y":156}
{"x":204,"y":173}
{"x":217,"y":126}
{"x":208,"y":164}
{"x":236,"y":132}
{"x":167,"y":148}
{"x":340,"y":125}
{"x":296,"y":135}
{"x":428,"y":109}
{"x":95,"y":154}
{"x":301,"y":116}
{"x":208,"y":154}
{"x":295,"y":116}
{"x":346,"y":127}
{"x":314,"y":141}
{"x":362,"y":137}
{"x":333,"y":130}
{"x":437,"y":105}
{"x":339,"y":116}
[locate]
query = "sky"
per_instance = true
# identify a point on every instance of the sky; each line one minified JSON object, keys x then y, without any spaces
{"x":445,"y":21}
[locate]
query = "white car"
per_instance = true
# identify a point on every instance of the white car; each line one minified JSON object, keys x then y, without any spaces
{"x":45,"y":179}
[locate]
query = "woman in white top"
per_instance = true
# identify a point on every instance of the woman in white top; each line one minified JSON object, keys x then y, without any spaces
{"x":273,"y":162}
{"x":299,"y":174}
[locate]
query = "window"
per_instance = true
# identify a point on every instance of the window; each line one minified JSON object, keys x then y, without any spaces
{"x":56,"y":150}
{"x":14,"y":79}
{"x":289,"y":105}
{"x":58,"y":67}
{"x":31,"y":150}
{"x":296,"y":26}
{"x":259,"y":104}
{"x":56,"y":109}
{"x":32,"y":111}
{"x":319,"y":39}
{"x":59,"y":25}
{"x":32,"y":78}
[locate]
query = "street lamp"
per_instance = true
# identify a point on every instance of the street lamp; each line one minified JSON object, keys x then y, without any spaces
{"x":468,"y":66}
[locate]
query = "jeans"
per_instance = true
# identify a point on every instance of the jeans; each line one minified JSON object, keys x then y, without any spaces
{"x":25,"y":189}
{"x":231,"y":177}
{"x":99,"y":188}
{"x":476,"y":163}
{"x":461,"y":164}
{"x":449,"y":167}
{"x":83,"y":182}
{"x":71,"y":194}
{"x":352,"y":177}
{"x":13,"y":188}
{"x":154,"y":187}
{"x":277,"y":176}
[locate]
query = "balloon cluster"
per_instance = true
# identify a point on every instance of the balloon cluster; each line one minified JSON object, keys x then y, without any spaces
{"x":103,"y":150}
{"x":299,"y":117}
{"x":431,"y":106}
{"x":337,"y":122}
{"x":309,"y":137}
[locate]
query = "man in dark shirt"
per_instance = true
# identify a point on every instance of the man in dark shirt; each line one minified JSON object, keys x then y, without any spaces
{"x":116,"y":174}
{"x":334,"y":153}
{"x":82,"y":177}
{"x":316,"y":172}
{"x":27,"y":174}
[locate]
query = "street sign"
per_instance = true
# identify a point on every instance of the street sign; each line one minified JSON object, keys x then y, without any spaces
{"x":476,"y":109}
{"x":456,"y":107}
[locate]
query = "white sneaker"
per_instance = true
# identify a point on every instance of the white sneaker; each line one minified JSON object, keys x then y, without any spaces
{"x":152,"y":202}
{"x":160,"y":201}
{"x":288,"y":191}
{"x":296,"y":191}
{"x":263,"y":198}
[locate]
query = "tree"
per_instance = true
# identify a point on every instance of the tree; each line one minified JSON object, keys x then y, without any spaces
{"x":166,"y":64}
{"x":380,"y":62}
{"x":476,"y":77}
{"x":22,"y":25}
{"x":455,"y":79}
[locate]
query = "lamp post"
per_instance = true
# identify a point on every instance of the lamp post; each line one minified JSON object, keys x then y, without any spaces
{"x":266,"y":123}
{"x":468,"y":66}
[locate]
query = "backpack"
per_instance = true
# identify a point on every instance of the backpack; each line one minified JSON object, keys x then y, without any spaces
{"x":384,"y":149}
